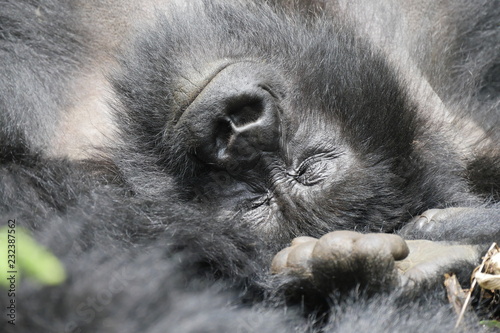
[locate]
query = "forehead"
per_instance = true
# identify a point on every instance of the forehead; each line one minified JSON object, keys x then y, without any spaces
{"x":329,"y":74}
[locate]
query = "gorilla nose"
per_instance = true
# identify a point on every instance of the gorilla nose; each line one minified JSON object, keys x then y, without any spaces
{"x":235,"y":118}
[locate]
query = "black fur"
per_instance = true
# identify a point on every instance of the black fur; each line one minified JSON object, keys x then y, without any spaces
{"x":154,"y":238}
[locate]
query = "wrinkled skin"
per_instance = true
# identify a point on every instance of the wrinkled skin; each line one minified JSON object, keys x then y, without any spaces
{"x":377,"y":261}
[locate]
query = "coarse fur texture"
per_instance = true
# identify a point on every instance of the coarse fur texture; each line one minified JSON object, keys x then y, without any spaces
{"x":165,"y":151}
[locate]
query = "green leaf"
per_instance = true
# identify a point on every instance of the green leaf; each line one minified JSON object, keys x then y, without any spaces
{"x":490,"y":323}
{"x":28,"y":258}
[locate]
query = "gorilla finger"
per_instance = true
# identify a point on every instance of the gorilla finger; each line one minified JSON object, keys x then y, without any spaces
{"x":375,"y":244}
{"x":335,"y":253}
{"x":278,"y":265}
{"x":303,"y":239}
{"x":298,"y":260}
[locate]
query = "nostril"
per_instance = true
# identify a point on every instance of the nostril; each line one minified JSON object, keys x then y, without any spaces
{"x":241,"y":129}
{"x":233,"y":120}
{"x":245,"y":110}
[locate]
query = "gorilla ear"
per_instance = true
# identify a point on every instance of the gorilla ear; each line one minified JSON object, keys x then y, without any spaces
{"x":235,"y":117}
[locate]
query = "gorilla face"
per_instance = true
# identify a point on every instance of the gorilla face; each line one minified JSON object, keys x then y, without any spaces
{"x":289,"y":145}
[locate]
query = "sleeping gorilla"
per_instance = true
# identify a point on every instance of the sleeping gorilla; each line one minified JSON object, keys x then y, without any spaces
{"x":166,"y":151}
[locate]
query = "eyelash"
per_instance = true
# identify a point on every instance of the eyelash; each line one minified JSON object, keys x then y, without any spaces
{"x":311,"y":171}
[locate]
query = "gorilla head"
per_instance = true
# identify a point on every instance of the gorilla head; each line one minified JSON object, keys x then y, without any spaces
{"x":294,"y":125}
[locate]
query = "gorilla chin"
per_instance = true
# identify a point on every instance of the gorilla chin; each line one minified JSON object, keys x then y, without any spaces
{"x":264,"y":166}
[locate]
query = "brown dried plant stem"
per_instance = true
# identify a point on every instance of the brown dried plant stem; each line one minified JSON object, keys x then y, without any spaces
{"x":473,"y":285}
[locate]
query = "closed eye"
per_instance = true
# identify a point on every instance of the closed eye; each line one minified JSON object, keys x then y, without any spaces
{"x":314,"y":169}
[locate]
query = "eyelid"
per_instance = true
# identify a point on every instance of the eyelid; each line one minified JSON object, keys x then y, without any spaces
{"x":313,"y":174}
{"x":305,"y":165}
{"x":314,"y":166}
{"x":320,"y":156}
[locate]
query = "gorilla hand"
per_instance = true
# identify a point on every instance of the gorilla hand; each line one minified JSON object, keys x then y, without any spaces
{"x":342,"y":260}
